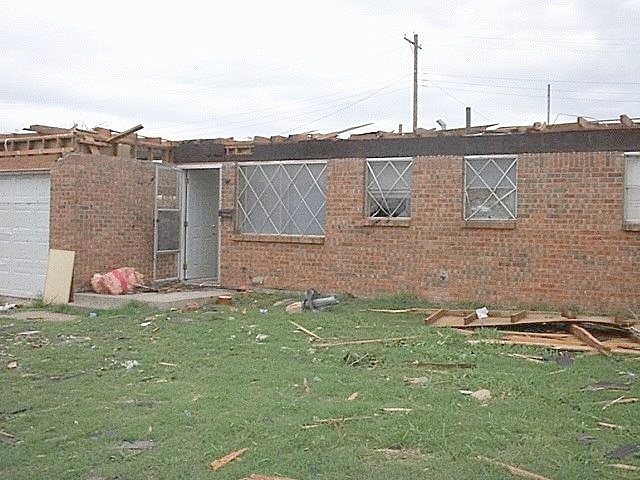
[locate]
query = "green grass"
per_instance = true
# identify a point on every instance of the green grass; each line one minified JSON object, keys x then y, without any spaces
{"x":228,"y":391}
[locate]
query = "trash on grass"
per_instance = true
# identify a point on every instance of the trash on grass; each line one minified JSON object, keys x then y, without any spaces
{"x":482,"y":312}
{"x":261,"y":337}
{"x":129,"y":364}
{"x":483,"y":395}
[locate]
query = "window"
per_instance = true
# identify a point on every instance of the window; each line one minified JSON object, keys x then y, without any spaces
{"x":388,"y":188}
{"x":490,"y":188}
{"x":284,"y":198}
{"x":632,"y":189}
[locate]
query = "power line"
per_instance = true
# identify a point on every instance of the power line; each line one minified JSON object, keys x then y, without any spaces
{"x":521,"y":79}
{"x":458,"y":100}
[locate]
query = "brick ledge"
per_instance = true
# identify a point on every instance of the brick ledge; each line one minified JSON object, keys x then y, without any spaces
{"x":311,"y":240}
{"x":490,"y":224}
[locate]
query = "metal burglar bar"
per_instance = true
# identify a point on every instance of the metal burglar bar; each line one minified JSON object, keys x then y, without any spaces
{"x":282,"y":198}
{"x":490,"y":190}
{"x":388,"y":192}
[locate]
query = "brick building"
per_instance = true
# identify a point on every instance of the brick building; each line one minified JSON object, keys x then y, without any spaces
{"x":546,"y":215}
{"x":538,"y":216}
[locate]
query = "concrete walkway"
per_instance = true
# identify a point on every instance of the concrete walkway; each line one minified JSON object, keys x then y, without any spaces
{"x":164,"y":301}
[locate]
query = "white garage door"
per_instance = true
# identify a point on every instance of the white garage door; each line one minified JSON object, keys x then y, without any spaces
{"x":24,"y":233}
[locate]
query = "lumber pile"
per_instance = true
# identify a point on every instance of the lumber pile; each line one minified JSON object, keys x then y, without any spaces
{"x":559,"y":331}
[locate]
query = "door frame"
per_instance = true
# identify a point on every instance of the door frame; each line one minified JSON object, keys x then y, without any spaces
{"x":183,"y":219}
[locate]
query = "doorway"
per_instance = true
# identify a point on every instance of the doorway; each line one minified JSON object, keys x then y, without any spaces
{"x":200,"y":259}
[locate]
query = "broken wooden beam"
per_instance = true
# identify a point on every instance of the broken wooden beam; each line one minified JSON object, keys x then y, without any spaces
{"x":516,"y":317}
{"x":467,"y":319}
{"x":364,"y":341}
{"x":586,"y":337}
{"x":127,"y":132}
{"x":512,"y":469}
{"x":435,"y":316}
{"x":304,"y":330}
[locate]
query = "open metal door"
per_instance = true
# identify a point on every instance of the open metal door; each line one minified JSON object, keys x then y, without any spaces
{"x":167,"y":242}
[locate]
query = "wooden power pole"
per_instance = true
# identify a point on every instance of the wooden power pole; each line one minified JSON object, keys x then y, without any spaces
{"x":415,"y":46}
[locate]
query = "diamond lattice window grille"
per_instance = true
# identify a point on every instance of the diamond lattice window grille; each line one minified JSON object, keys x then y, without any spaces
{"x":388,"y":188}
{"x":282,"y":198}
{"x":490,"y":188}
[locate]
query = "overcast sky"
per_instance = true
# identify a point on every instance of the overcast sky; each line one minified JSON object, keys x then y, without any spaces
{"x":211,"y":69}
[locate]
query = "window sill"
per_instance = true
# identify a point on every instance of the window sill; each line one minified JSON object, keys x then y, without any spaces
{"x":631,"y":226}
{"x":265,"y":238}
{"x":386,"y":222}
{"x":490,"y":224}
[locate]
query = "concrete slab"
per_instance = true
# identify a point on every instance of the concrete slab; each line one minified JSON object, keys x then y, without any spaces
{"x":40,"y":315}
{"x":163,"y":301}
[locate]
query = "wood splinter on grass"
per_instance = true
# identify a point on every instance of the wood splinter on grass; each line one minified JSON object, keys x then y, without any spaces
{"x":513,"y":470}
{"x":620,"y":401}
{"x":611,"y":425}
{"x":305,"y":386}
{"x":623,"y":466}
{"x":364,"y":341}
{"x":304,"y":330}
{"x":218,"y":463}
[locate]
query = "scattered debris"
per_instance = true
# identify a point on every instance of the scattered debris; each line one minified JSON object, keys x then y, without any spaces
{"x":364,"y":341}
{"x":416,"y":380}
{"x":528,"y":358}
{"x":585,"y":439}
{"x":482,"y":312}
{"x":305,"y":386}
{"x":218,"y":463}
{"x":8,"y":438}
{"x":620,"y":401}
{"x":353,"y":396}
{"x":396,"y":409}
{"x":366,"y":360}
{"x":401,"y":310}
{"x":167,"y":364}
{"x":313,"y":335}
{"x":605,"y":385}
{"x":7,"y":306}
{"x":145,"y":324}
{"x":283,"y":301}
{"x":255,"y":476}
{"x":483,"y":395}
{"x":622,"y":466}
{"x":611,"y":425}
{"x":563,"y":359}
{"x":138,"y":445}
{"x":12,"y":364}
{"x":442,"y":366}
{"x":513,"y":470}
{"x":28,"y":333}
{"x":116,"y":282}
{"x":17,"y":409}
{"x":224,"y":300}
{"x":403,"y":453}
{"x":315,"y":301}
{"x":624,"y":451}
{"x":261,"y":337}
{"x":295,"y":307}
{"x":335,"y":421}
{"x":129,"y":364}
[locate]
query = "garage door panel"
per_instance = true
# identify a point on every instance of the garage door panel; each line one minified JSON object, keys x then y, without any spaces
{"x":24,"y":233}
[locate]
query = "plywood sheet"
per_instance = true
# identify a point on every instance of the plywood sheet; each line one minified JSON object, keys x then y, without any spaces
{"x":57,"y":287}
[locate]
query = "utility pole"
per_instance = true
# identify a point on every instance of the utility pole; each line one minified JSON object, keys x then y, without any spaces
{"x":415,"y":46}
{"x":548,"y":102}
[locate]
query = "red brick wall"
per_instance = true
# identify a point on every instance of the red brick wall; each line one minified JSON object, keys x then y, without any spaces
{"x":27,"y":162}
{"x":567,"y":248}
{"x":102,"y":207}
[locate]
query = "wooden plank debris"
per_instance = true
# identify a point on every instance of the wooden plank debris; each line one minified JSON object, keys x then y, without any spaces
{"x":611,"y":425}
{"x":401,"y":310}
{"x":218,"y":463}
{"x":471,"y":317}
{"x":623,"y":466}
{"x":456,"y":318}
{"x":516,"y":317}
{"x":308,"y":332}
{"x":364,"y":341}
{"x":435,"y":316}
{"x":548,"y":343}
{"x":335,"y":421}
{"x":57,"y":287}
{"x":620,"y":401}
{"x":512,"y":469}
{"x":528,"y":358}
{"x":589,"y":339}
{"x":255,"y":476}
{"x":8,"y":438}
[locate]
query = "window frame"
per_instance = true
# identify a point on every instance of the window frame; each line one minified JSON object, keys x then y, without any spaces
{"x":629,"y":223}
{"x":242,"y":213}
{"x":368,"y":196}
{"x":470,"y":218}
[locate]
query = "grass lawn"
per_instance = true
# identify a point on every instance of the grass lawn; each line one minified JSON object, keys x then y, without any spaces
{"x":200,"y":386}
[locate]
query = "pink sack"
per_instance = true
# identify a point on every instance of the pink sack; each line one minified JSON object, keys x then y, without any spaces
{"x":118,"y":281}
